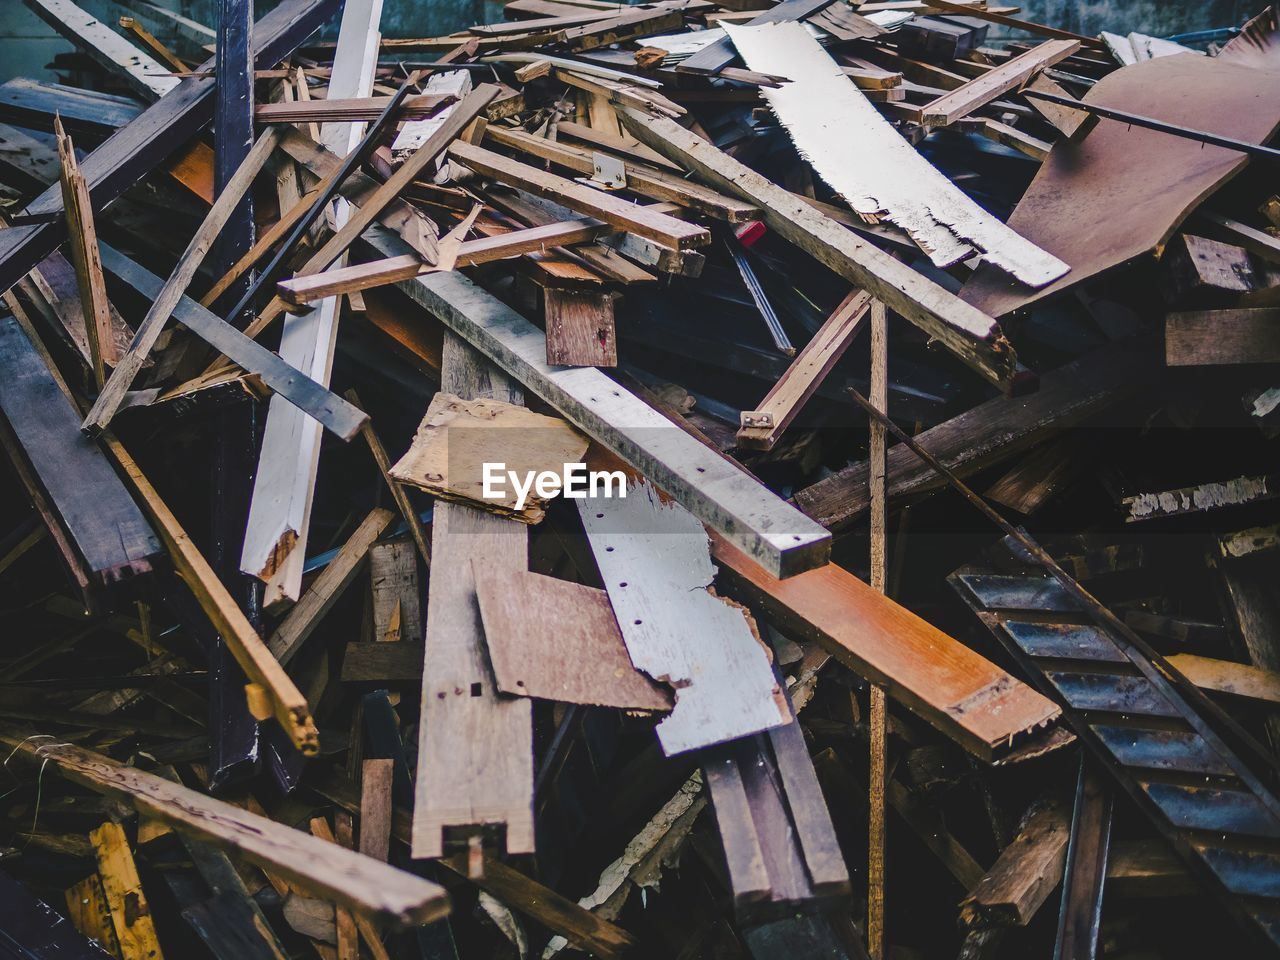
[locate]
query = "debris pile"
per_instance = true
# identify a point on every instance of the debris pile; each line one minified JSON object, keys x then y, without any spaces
{"x":693,"y":479}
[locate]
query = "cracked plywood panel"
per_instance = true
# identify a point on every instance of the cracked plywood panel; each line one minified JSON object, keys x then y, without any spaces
{"x":655,"y":561}
{"x":863,"y":158}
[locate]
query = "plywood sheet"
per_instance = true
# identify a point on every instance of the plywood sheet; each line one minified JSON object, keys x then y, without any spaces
{"x":558,"y":640}
{"x":1121,"y":191}
{"x":861,"y":156}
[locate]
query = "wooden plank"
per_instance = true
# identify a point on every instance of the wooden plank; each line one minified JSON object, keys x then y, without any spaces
{"x":414,"y":134}
{"x":1256,"y":241}
{"x":139,"y":70}
{"x":108,"y":401}
{"x":536,"y":651}
{"x":629,"y":25}
{"x":1027,"y":871}
{"x":152,"y":137}
{"x":393,"y":580}
{"x":55,"y":282}
{"x":656,"y":566}
{"x":130,"y":913}
{"x":350,"y":109}
{"x":89,"y":504}
{"x":657,"y":227}
{"x":886,"y":178}
{"x":327,"y":587}
{"x":276,"y":532}
{"x":989,"y":432}
{"x":492,"y":781}
{"x":375,"y":808}
{"x":760,"y":428}
{"x":981,"y":90}
{"x":288,"y":704}
{"x":152,"y":43}
{"x":341,"y":417}
{"x":372,"y":889}
{"x":970,"y":334}
{"x":961,"y":693}
{"x":641,"y":178}
{"x":380,"y":662}
{"x":1226,"y":676}
{"x":1217,"y":337}
{"x":717,"y":492}
{"x":580,"y":327}
{"x":83,"y":243}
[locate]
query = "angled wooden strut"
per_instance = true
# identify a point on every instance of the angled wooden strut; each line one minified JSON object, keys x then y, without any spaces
{"x":144,"y":143}
{"x":491,"y":782}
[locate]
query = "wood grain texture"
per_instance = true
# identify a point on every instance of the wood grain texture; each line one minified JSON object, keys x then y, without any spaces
{"x":88,"y":912}
{"x":580,"y":328}
{"x":1026,"y":872}
{"x":491,"y":782}
{"x":375,"y":808}
{"x":122,"y":888}
{"x":558,"y":640}
{"x":397,"y":599}
{"x":716,"y":491}
{"x":1215,"y":337}
{"x":961,"y":693}
{"x":981,"y":90}
{"x":326,"y":870}
{"x":656,"y":565}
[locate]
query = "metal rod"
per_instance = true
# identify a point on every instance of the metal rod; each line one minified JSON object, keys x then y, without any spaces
{"x":353,"y":160}
{"x":1252,"y":149}
{"x":1098,"y":609}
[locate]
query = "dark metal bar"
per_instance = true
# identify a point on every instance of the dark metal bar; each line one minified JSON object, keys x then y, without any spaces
{"x":1080,"y":918}
{"x":233,"y":124}
{"x":353,"y":160}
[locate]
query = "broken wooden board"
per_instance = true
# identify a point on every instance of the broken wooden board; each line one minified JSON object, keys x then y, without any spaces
{"x":367,"y":886}
{"x":989,"y":432}
{"x":1227,"y":676}
{"x":865,"y":160}
{"x":459,"y":440}
{"x":90,"y":504}
{"x":716,"y":491}
{"x":1217,"y":337}
{"x":656,"y":566}
{"x":580,"y":327}
{"x":981,"y":90}
{"x":970,"y":334}
{"x":122,"y":888}
{"x":961,"y":693}
{"x":1201,"y":497}
{"x":1120,"y":191}
{"x":491,"y":782}
{"x":1027,"y":871}
{"x":558,"y":640}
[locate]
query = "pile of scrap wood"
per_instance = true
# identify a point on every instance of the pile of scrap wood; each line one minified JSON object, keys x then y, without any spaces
{"x":698,"y":479}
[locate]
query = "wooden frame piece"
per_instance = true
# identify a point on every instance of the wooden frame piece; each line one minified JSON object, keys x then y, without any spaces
{"x":981,"y":90}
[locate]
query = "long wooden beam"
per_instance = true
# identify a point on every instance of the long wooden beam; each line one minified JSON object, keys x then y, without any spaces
{"x":716,"y":491}
{"x":151,"y":138}
{"x":979,"y":91}
{"x":969,"y":333}
{"x":363,"y":884}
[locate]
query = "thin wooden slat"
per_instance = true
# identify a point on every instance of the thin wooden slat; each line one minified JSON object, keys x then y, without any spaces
{"x":375,"y":808}
{"x":717,"y":492}
{"x":331,"y":110}
{"x":370,"y":888}
{"x":958,"y":691}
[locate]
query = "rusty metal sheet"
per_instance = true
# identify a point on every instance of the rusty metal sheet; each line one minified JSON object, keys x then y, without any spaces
{"x":1121,"y":191}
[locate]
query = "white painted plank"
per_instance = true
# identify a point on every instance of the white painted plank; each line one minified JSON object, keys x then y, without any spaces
{"x":284,"y":486}
{"x":862,"y":157}
{"x":655,"y":561}
{"x":415,"y":133}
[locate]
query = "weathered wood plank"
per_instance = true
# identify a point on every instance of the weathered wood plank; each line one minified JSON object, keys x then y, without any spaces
{"x":130,"y":912}
{"x":1214,"y":337}
{"x":367,"y":886}
{"x":981,"y":90}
